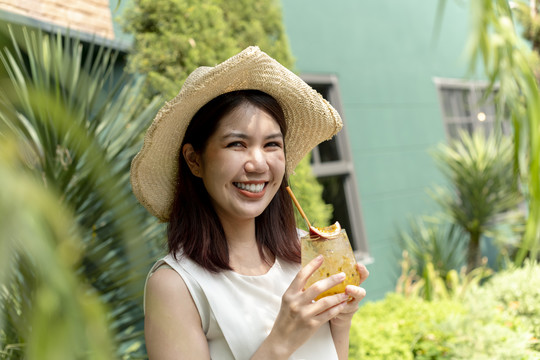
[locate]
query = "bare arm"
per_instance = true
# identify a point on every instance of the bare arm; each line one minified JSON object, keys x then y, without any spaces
{"x":172,"y":323}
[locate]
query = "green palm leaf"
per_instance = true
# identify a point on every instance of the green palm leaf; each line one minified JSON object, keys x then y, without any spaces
{"x":80,"y":126}
{"x":481,"y":185}
{"x":509,"y":61}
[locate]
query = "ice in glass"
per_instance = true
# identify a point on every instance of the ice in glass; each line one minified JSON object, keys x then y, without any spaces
{"x":338,"y":257}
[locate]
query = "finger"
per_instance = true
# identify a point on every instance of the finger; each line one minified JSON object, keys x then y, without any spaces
{"x":332,"y":312}
{"x":303,"y":275}
{"x":354,"y":295}
{"x":328,"y":302}
{"x":357,"y":293}
{"x":363,"y":272}
{"x":321,"y":286}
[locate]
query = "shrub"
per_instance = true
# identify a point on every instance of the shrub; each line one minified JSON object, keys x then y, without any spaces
{"x":513,"y":296}
{"x":499,"y":319}
{"x":401,"y":328}
{"x":431,"y":239}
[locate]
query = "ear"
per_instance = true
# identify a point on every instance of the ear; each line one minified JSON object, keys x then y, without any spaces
{"x":193,"y":159}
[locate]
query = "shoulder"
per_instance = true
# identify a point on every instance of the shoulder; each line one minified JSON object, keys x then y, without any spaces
{"x":167,"y":292}
{"x":171,"y":315}
{"x":166,"y":282}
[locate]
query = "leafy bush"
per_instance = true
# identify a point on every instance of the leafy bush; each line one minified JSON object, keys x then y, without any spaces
{"x":429,"y":239}
{"x":430,"y":283}
{"x":499,"y":319}
{"x":401,"y":328}
{"x":309,"y":191}
{"x":502,"y":316}
{"x":173,"y":37}
{"x":515,"y":296}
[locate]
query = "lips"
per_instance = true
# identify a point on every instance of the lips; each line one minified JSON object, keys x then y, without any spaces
{"x":250,"y":187}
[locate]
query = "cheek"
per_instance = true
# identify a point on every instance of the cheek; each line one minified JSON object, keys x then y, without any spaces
{"x":214,"y":163}
{"x":278,"y":165}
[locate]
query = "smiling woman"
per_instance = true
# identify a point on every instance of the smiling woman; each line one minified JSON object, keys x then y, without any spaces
{"x":214,"y":165}
{"x":243,"y":150}
{"x":245,"y":141}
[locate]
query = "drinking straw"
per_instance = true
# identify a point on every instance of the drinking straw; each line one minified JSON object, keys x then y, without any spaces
{"x":298,"y":206}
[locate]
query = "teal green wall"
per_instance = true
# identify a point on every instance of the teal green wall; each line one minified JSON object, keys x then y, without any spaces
{"x":385,"y":57}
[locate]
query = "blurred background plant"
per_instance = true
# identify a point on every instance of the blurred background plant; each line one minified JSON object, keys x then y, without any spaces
{"x":165,"y":31}
{"x":309,"y":192}
{"x":482,"y":189}
{"x":76,"y":125}
{"x":495,"y":320}
{"x":46,"y":310}
{"x":509,"y":62}
{"x":432,"y":284}
{"x":480,"y":199}
{"x":431,"y":239}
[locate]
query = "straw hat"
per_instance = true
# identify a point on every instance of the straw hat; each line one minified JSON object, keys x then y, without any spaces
{"x":310,"y":120}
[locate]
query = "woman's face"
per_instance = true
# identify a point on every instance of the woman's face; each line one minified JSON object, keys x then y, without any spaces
{"x":243,"y":164}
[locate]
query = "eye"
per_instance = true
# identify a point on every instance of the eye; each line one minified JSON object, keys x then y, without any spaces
{"x":234,"y":144}
{"x":276,"y":144}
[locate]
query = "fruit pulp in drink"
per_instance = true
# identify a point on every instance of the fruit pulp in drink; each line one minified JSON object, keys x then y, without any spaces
{"x":338,"y":257}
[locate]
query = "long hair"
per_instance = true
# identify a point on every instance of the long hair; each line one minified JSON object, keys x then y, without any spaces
{"x":194,"y":227}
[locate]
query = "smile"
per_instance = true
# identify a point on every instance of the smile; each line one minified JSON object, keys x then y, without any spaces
{"x":253,"y":188}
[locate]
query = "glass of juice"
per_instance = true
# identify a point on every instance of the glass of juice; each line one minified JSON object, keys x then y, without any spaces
{"x":338,"y":257}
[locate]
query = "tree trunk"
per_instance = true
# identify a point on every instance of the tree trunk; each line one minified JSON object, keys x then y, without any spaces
{"x":473,"y":252}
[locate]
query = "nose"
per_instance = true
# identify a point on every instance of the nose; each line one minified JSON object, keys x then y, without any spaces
{"x":256,"y":162}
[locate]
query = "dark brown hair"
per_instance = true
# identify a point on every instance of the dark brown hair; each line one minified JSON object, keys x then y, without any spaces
{"x":194,"y":227}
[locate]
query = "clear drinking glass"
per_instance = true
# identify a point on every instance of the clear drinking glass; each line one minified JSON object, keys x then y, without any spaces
{"x":338,"y":257}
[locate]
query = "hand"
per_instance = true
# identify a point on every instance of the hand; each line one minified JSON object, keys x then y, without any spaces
{"x":300,"y":316}
{"x":344,"y":318}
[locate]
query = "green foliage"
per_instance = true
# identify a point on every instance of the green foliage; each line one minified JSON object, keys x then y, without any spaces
{"x":77,"y":126}
{"x":401,"y":328}
{"x":479,"y":170}
{"x":508,"y":61}
{"x":429,"y":240}
{"x":515,"y":294}
{"x":527,"y":15}
{"x":497,"y":320}
{"x":431,"y":284}
{"x":66,"y":318}
{"x":174,"y":37}
{"x":309,"y":194}
{"x":502,"y":317}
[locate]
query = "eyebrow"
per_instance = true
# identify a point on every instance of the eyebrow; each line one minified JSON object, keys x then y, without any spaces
{"x":240,"y":135}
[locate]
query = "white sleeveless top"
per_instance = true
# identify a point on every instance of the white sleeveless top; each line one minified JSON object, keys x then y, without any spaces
{"x":238,"y":311}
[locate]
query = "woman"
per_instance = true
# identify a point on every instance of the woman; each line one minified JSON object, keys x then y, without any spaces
{"x":214,"y":165}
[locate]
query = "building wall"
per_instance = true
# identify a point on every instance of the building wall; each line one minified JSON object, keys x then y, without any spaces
{"x":89,"y":16}
{"x":385,"y":56}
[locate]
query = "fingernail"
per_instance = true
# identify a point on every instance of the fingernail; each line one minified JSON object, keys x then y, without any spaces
{"x":319,"y":257}
{"x":341,"y":276}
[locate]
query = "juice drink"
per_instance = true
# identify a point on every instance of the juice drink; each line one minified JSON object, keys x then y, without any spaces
{"x":338,"y":257}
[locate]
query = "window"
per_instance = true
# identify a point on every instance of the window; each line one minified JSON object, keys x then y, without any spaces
{"x":464,"y":105}
{"x":332,"y":164}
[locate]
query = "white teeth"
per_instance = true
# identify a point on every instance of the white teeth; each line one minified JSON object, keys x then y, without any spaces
{"x":254,"y":188}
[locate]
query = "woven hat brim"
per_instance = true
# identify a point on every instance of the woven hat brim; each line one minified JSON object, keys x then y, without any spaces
{"x":310,"y":121}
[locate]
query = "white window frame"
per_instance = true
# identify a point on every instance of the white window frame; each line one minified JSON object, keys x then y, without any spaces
{"x":342,"y":167}
{"x":482,"y":115}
